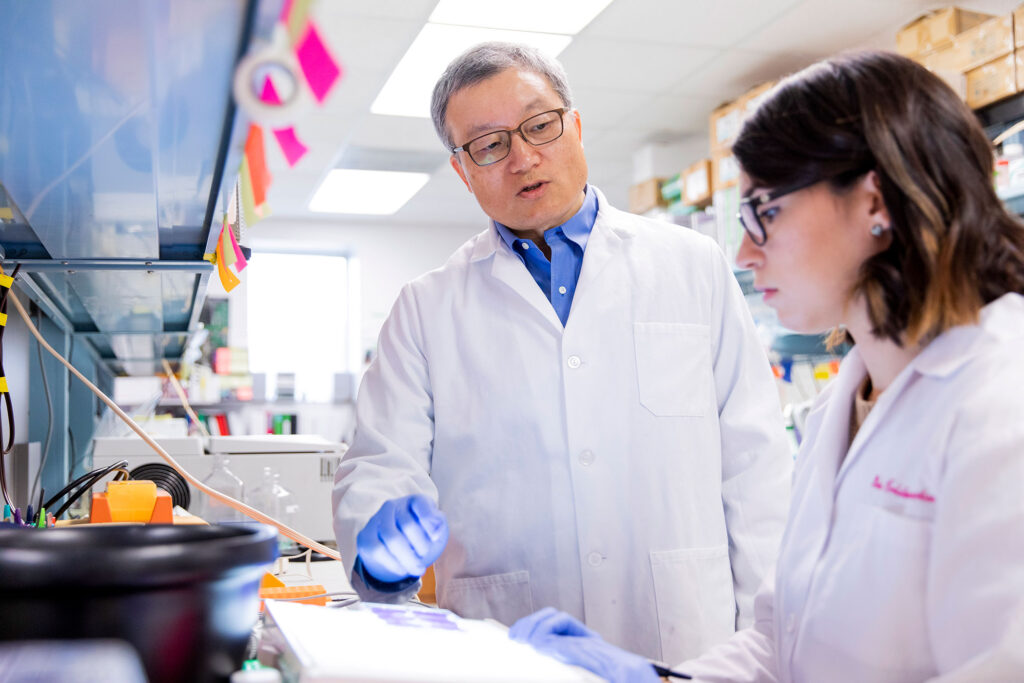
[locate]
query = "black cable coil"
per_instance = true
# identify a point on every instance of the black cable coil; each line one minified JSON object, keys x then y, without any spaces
{"x":166,"y":478}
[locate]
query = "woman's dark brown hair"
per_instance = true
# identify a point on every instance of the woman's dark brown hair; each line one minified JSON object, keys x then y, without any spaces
{"x":954,"y":246}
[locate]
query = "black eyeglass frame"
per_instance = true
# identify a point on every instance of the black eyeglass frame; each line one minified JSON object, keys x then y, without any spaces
{"x":753,"y":202}
{"x":562,"y":111}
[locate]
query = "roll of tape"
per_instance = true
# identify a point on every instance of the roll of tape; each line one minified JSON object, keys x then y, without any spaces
{"x":278,"y":63}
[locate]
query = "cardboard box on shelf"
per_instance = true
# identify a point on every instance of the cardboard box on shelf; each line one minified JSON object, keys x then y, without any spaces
{"x":991,"y":82}
{"x":725,"y":124}
{"x":725,"y":172}
{"x":935,"y":30}
{"x":1018,"y":26}
{"x":727,"y":120}
{"x":697,"y":183}
{"x":645,"y":196}
{"x":984,"y":43}
{"x":1018,"y":63}
{"x":754,"y":97}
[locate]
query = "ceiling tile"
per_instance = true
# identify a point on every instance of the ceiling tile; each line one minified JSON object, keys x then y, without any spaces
{"x":602,"y":108}
{"x":737,"y":71}
{"x":397,"y":132}
{"x":629,"y":65}
{"x":685,"y":22}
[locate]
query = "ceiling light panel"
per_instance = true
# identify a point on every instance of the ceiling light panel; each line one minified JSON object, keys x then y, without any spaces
{"x":381,"y":193}
{"x":408,"y":88}
{"x":540,"y":16}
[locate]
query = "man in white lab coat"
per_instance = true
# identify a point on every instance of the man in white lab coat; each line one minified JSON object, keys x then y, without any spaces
{"x":574,"y":408}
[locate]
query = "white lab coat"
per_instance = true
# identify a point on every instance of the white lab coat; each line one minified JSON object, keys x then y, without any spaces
{"x":906,"y":561}
{"x":630,"y":469}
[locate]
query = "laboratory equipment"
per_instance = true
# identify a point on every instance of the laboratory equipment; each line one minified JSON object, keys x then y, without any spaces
{"x":307,"y":464}
{"x":185,"y":597}
{"x":272,"y":498}
{"x":224,"y":480}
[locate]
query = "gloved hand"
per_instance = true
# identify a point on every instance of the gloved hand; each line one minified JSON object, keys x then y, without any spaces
{"x":402,"y":539}
{"x":559,"y":635}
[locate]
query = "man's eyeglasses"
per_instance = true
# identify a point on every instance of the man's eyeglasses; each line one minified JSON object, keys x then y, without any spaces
{"x":750,"y":219}
{"x":490,"y":148}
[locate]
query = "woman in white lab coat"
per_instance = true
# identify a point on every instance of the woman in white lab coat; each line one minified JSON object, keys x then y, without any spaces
{"x":869,"y":209}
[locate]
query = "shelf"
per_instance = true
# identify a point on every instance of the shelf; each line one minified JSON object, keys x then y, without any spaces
{"x":122,"y":144}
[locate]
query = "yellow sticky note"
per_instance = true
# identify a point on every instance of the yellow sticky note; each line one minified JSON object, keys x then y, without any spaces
{"x":297,"y":19}
{"x":226,"y":252}
{"x":3,"y":385}
{"x":3,"y":319}
{"x":6,"y":281}
{"x":6,"y":214}
{"x":245,"y":186}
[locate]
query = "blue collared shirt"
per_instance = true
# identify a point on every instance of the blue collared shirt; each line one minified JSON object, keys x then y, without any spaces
{"x":557,"y":278}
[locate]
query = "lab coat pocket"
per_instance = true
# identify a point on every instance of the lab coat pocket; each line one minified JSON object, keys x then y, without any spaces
{"x":695,"y":600}
{"x":505,"y":597}
{"x":673,"y":368}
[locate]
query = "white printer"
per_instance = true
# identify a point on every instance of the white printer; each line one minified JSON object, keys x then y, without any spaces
{"x":306,"y":464}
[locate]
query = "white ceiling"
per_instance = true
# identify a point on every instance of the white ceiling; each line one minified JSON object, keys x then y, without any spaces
{"x":641,"y":71}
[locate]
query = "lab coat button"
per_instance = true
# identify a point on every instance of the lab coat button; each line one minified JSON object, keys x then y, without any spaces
{"x":575,"y":362}
{"x":587,"y":458}
{"x":790,"y":623}
{"x":595,"y":559}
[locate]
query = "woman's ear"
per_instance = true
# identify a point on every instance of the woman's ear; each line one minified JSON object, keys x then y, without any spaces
{"x":878,"y":211}
{"x":874,"y":212}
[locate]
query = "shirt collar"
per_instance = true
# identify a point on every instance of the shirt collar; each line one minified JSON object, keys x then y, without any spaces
{"x":576,"y":228}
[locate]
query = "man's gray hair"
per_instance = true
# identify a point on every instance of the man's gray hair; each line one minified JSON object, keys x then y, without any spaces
{"x":483,"y":61}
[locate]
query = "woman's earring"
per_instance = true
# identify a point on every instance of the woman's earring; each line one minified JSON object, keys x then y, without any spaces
{"x":877,"y":229}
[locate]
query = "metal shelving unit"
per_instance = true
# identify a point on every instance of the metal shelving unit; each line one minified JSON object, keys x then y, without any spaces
{"x":118,"y":144}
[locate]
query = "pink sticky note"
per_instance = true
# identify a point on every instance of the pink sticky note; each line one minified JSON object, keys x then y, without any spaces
{"x":240,"y":262}
{"x":290,"y":144}
{"x":317,"y":64}
{"x":285,"y":11}
{"x":269,"y":94}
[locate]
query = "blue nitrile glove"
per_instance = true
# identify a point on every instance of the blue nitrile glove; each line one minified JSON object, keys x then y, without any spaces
{"x":402,"y":539}
{"x":563,"y":637}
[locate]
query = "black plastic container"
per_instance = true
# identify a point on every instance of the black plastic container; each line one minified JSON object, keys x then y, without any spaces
{"x":186,"y":597}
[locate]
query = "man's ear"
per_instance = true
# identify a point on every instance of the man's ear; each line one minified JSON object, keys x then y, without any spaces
{"x":457,"y":165}
{"x":578,"y":119}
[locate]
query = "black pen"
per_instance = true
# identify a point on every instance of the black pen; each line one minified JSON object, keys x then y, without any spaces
{"x":666,"y":672}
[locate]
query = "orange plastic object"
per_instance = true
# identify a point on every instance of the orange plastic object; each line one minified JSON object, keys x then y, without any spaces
{"x":132,"y":501}
{"x":271,"y":581}
{"x":286,"y":592}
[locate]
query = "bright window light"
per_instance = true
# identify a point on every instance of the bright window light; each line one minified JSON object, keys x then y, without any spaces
{"x":541,"y":16}
{"x":346,"y":190}
{"x":298,"y":319}
{"x":408,"y":88}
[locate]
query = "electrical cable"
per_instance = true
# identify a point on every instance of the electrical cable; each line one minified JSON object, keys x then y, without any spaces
{"x":184,"y":399}
{"x":122,"y":474}
{"x":167,"y":479}
{"x":120,"y":464}
{"x":247,"y":510}
{"x":8,"y":404}
{"x":49,"y":415}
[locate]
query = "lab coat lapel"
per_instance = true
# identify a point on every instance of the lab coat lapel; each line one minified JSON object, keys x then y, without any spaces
{"x":875,"y":417}
{"x":834,"y":434}
{"x":509,"y":269}
{"x":605,"y":241}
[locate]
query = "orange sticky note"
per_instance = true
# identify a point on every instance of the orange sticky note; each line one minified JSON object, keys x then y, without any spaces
{"x":255,"y":154}
{"x":228,"y":279}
